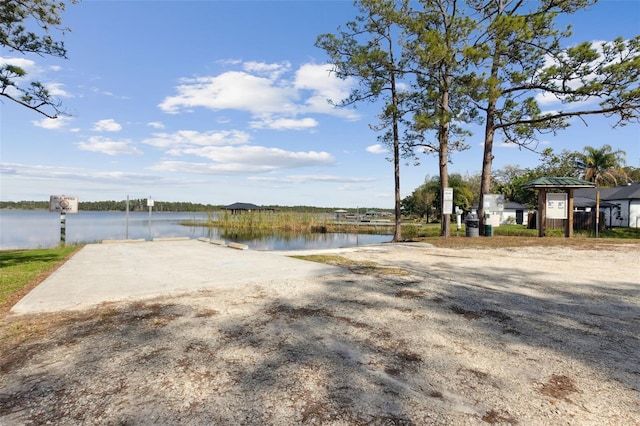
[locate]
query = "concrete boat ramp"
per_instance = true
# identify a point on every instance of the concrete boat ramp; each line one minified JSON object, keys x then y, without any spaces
{"x":127,"y":271}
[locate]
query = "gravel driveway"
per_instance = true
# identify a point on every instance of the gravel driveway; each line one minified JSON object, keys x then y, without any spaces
{"x":408,"y":334}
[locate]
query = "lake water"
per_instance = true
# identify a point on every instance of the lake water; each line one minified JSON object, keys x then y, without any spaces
{"x":24,"y":229}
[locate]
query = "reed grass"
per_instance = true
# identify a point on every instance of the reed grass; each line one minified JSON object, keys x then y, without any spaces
{"x":273,"y":221}
{"x":287,"y":222}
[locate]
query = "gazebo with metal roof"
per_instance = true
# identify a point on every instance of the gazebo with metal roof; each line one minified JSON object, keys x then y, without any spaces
{"x":565,"y":184}
{"x":236,"y":208}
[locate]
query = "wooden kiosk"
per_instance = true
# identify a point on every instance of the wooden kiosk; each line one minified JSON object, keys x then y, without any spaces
{"x":556,"y":205}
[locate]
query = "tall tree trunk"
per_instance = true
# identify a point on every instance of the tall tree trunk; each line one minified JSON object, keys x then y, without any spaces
{"x":443,"y":157}
{"x":444,"y":183}
{"x":487,"y":161}
{"x":489,"y":133}
{"x":397,"y":235}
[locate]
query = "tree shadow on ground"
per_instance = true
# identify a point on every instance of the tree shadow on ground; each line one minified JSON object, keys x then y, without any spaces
{"x":356,"y":349}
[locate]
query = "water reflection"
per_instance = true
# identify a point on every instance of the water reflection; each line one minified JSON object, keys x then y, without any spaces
{"x":292,"y":241}
{"x":22,"y":229}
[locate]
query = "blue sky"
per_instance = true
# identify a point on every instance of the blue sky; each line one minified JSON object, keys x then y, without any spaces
{"x":224,"y":101}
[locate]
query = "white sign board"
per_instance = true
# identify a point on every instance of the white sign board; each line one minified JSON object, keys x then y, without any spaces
{"x":493,"y":203}
{"x":447,"y":202}
{"x":63,"y":204}
{"x":556,"y":205}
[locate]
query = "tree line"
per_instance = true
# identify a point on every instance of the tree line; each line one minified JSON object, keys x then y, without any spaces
{"x":140,"y":204}
{"x":602,"y":166}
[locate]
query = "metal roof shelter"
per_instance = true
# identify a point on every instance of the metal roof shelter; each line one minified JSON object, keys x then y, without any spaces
{"x":242,"y":207}
{"x":565,"y":184}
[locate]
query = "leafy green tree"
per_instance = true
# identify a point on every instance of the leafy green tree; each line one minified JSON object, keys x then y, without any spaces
{"x":603,"y":165}
{"x":520,"y":56}
{"x":509,"y":180}
{"x":462,"y":193}
{"x":26,"y":27}
{"x":510,"y":185}
{"x":419,"y":203}
{"x":607,"y":165}
{"x":366,"y":50}
{"x":564,"y":164}
{"x":427,"y":199}
{"x":633,"y":173}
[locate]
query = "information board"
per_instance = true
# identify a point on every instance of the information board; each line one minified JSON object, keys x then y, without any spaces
{"x":447,"y":202}
{"x":556,"y":205}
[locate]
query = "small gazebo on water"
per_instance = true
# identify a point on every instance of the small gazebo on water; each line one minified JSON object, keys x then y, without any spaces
{"x":556,"y":205}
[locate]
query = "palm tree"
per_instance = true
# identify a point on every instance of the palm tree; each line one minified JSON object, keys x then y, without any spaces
{"x":602,"y":165}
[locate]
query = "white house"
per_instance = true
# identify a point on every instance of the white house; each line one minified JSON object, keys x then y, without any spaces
{"x":511,"y":213}
{"x":514,"y":213}
{"x":627,"y":201}
{"x":621,"y":205}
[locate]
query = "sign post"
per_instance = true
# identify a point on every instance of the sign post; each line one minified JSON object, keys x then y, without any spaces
{"x":126,"y":234}
{"x":447,"y":207}
{"x":597,"y":212}
{"x":63,"y":204}
{"x":150,"y":205}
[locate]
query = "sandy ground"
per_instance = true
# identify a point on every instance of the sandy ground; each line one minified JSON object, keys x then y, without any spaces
{"x":529,"y":336}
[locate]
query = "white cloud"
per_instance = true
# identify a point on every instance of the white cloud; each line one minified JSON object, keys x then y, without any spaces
{"x":27,"y":65}
{"x":156,"y":125}
{"x":377,"y":149}
{"x":191,"y":138}
{"x":99,"y":91}
{"x":108,"y":146}
{"x":56,"y":90}
{"x":206,"y":168}
{"x":285,"y":124}
{"x":53,"y":123}
{"x":324,"y":87}
{"x":34,"y":71}
{"x":311,"y":178}
{"x":50,"y":173}
{"x":252,"y":157}
{"x":273,"y":71}
{"x":264,"y":90}
{"x":231,"y":90}
{"x":353,"y":187}
{"x":507,"y":144}
{"x":243,"y":160}
{"x":106,"y":125}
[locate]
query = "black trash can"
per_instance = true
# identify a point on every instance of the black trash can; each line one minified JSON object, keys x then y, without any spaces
{"x":472,"y":223}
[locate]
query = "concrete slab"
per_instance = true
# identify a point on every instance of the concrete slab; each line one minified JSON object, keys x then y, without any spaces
{"x":122,"y":271}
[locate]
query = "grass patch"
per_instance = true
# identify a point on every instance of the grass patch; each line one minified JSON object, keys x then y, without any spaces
{"x":22,"y":270}
{"x":361,"y":267}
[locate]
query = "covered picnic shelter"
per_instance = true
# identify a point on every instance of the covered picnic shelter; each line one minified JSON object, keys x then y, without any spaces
{"x":557,"y":207}
{"x":236,"y":208}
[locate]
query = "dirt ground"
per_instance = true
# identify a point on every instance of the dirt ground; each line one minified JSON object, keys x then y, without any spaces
{"x":408,"y":334}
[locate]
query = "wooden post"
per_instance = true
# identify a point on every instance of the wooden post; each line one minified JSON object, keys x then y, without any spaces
{"x":542,"y":211}
{"x":598,"y":212}
{"x":568,"y":227}
{"x":63,"y":228}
